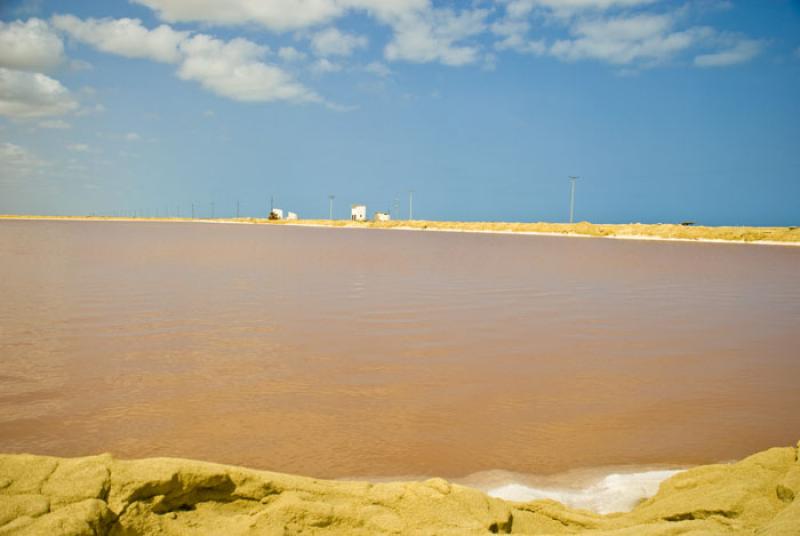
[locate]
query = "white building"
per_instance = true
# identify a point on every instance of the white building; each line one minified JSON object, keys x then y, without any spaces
{"x":382,"y":216}
{"x":358,"y":213}
{"x":291,"y":216}
{"x":276,"y":214}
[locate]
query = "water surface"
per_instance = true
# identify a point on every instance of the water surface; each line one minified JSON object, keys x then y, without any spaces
{"x":335,"y":352}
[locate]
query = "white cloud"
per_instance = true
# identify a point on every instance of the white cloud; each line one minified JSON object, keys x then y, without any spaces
{"x":233,"y":69}
{"x":742,"y":51}
{"x":26,"y":95}
{"x":324,"y":65}
{"x":291,"y":54}
{"x":55,"y":124}
{"x":332,"y":42}
{"x":378,"y":69}
{"x":422,"y":33}
{"x":621,"y":32}
{"x":514,"y":37}
{"x":29,"y":46}
{"x":278,"y":15}
{"x":17,"y":162}
{"x":125,"y":37}
{"x":436,"y":35}
{"x":132,"y":136}
{"x":626,"y":39}
{"x":568,"y":8}
{"x":78,"y":147}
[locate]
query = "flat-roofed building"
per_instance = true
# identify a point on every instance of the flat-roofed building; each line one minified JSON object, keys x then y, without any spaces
{"x":358,"y":212}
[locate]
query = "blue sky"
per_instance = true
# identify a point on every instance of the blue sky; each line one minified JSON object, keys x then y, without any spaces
{"x":668,"y":111}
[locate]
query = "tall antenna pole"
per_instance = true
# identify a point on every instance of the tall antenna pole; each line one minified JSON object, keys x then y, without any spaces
{"x":331,"y":197}
{"x":572,"y":180}
{"x":192,"y":210}
{"x":237,"y":208}
{"x":411,"y":205}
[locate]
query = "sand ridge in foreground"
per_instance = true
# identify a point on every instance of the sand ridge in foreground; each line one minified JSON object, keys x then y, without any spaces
{"x":100,"y":495}
{"x":785,"y":236}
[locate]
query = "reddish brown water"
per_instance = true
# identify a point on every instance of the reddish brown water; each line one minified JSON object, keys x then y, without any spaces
{"x":337,"y":352}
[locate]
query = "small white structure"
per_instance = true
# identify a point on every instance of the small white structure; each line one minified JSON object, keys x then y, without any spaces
{"x":276,"y":214}
{"x":382,"y":216}
{"x":358,"y":213}
{"x":291,"y":216}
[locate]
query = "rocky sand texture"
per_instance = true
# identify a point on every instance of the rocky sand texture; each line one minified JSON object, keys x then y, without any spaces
{"x":101,"y":495}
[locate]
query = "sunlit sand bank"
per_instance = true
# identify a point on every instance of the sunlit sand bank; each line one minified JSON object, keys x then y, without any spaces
{"x":100,"y":495}
{"x":788,"y":236}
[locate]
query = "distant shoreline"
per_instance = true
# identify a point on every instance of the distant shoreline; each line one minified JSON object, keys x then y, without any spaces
{"x":772,"y":236}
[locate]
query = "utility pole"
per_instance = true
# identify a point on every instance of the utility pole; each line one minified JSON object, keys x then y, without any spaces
{"x":331,"y":197}
{"x":572,"y":180}
{"x":411,"y":205}
{"x":192,"y":210}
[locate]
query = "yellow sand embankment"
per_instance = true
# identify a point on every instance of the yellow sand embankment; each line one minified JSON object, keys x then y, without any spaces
{"x":100,"y":495}
{"x":774,"y":235}
{"x":762,"y":235}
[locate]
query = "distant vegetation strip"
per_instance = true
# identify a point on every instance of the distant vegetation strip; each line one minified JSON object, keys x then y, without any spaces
{"x":786,"y":235}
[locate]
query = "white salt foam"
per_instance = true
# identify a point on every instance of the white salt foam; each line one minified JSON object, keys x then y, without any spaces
{"x":616,"y":492}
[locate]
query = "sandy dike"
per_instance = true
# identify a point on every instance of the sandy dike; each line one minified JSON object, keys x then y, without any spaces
{"x":100,"y":495}
{"x":771,"y":236}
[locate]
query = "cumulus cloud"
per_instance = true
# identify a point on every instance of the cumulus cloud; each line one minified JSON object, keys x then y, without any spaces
{"x":233,"y":69}
{"x":16,"y":161}
{"x":513,"y":34}
{"x":742,"y":51}
{"x":291,"y":54}
{"x":422,"y":32}
{"x":125,"y":37}
{"x":28,"y":95}
{"x":275,"y":14}
{"x":324,"y":66}
{"x":568,"y":8}
{"x":29,"y":46}
{"x":620,"y":32}
{"x":332,"y":42}
{"x":625,"y":39}
{"x":278,"y":15}
{"x":437,"y":35}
